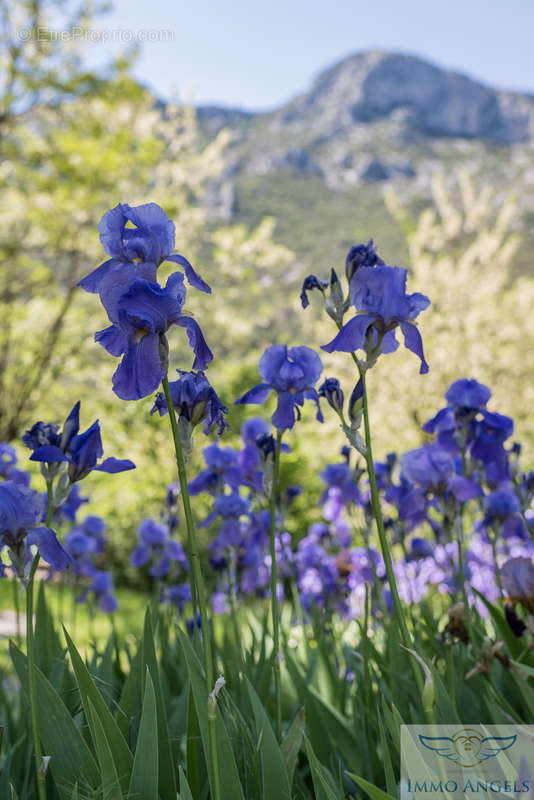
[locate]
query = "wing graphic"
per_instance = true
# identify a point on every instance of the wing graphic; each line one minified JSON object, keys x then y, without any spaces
{"x":492,"y":745}
{"x":443,"y":746}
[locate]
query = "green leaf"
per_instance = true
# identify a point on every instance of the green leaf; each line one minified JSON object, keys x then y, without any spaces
{"x":274,"y":776}
{"x":196,"y":765}
{"x":111,"y":788}
{"x":167,"y":773}
{"x":292,"y":742}
{"x":90,"y":695}
{"x":386,"y":757}
{"x":71,"y":760}
{"x":323,"y":783}
{"x":129,"y":709}
{"x":329,"y":730}
{"x":185,"y":791}
{"x":373,"y":791}
{"x":144,"y":781}
{"x":47,"y":643}
{"x":228,"y":774}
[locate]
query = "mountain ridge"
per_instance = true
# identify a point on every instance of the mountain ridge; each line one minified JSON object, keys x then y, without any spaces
{"x":374,"y":83}
{"x":373,"y":121}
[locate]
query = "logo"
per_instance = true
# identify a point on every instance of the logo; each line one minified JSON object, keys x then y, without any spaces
{"x":467,"y":747}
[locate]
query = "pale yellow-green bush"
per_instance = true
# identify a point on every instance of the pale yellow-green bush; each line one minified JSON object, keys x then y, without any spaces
{"x":480,"y":323}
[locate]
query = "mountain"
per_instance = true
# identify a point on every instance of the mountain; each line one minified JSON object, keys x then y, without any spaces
{"x":374,"y":120}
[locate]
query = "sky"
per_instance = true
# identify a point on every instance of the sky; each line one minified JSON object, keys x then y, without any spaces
{"x":258,"y":55}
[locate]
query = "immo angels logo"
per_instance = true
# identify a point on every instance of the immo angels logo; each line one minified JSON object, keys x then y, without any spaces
{"x":467,"y":747}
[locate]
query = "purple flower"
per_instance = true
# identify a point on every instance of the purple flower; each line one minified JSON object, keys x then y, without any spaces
{"x":81,"y":548}
{"x":81,"y":451}
{"x":221,"y":469}
{"x":230,"y":508}
{"x":45,"y":438}
{"x":195,"y":400}
{"x":156,"y":545}
{"x":517,"y":577}
{"x":433,"y":468}
{"x":503,"y":513}
{"x":21,"y":514}
{"x":101,"y":587}
{"x":456,"y":422}
{"x":177,"y":596}
{"x":292,"y":374}
{"x":488,"y":439}
{"x":253,"y":428}
{"x":467,"y":394}
{"x":379,"y":296}
{"x":361,"y":255}
{"x":138,"y":238}
{"x":310,"y":283}
{"x":86,"y":541}
{"x":333,"y":394}
{"x":141,"y":314}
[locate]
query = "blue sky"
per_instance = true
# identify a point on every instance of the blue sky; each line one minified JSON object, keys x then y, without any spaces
{"x":257,"y":55}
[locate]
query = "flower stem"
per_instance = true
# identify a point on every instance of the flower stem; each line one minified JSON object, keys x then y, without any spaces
{"x":384,"y":546}
{"x":274,"y":582}
{"x":40,"y":777}
{"x":197,"y":588}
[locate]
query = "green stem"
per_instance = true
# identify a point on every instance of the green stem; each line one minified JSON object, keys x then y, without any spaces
{"x":274,"y":582}
{"x":197,"y":588}
{"x":16,"y":600}
{"x":384,"y":546}
{"x":32,"y":689}
{"x":375,"y":500}
{"x":461,"y":569}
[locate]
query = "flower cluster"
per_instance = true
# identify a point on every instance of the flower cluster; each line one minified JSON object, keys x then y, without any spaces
{"x":138,"y":239}
{"x":80,"y":452}
{"x":427,"y":493}
{"x":292,"y":373}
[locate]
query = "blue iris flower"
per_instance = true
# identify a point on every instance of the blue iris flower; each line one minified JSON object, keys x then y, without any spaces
{"x":517,"y":577}
{"x":84,"y":451}
{"x":222,"y":469}
{"x":229,"y":508}
{"x":503,"y":513}
{"x":361,"y":255}
{"x":21,"y":514}
{"x":138,"y":239}
{"x":101,"y":588}
{"x":155,"y":545}
{"x":379,"y":296}
{"x":45,"y":438}
{"x":466,"y":398}
{"x":292,"y":373}
{"x":141,"y":314}
{"x":195,"y":399}
{"x":434,"y":469}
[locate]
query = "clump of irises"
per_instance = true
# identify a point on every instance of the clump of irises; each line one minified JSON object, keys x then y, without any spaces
{"x":452,"y":518}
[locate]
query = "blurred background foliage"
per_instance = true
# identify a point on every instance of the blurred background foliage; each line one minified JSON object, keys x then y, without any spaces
{"x":74,"y":143}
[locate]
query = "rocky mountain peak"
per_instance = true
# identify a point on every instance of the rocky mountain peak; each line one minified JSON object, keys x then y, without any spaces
{"x":369,"y":86}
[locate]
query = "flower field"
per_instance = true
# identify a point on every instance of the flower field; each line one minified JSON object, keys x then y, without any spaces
{"x":267,"y":662}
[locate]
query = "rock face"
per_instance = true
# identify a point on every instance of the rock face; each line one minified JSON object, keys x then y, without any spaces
{"x":370,"y":86}
{"x":377,"y":118}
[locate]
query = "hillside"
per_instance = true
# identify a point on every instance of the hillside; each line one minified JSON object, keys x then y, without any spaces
{"x":374,"y":121}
